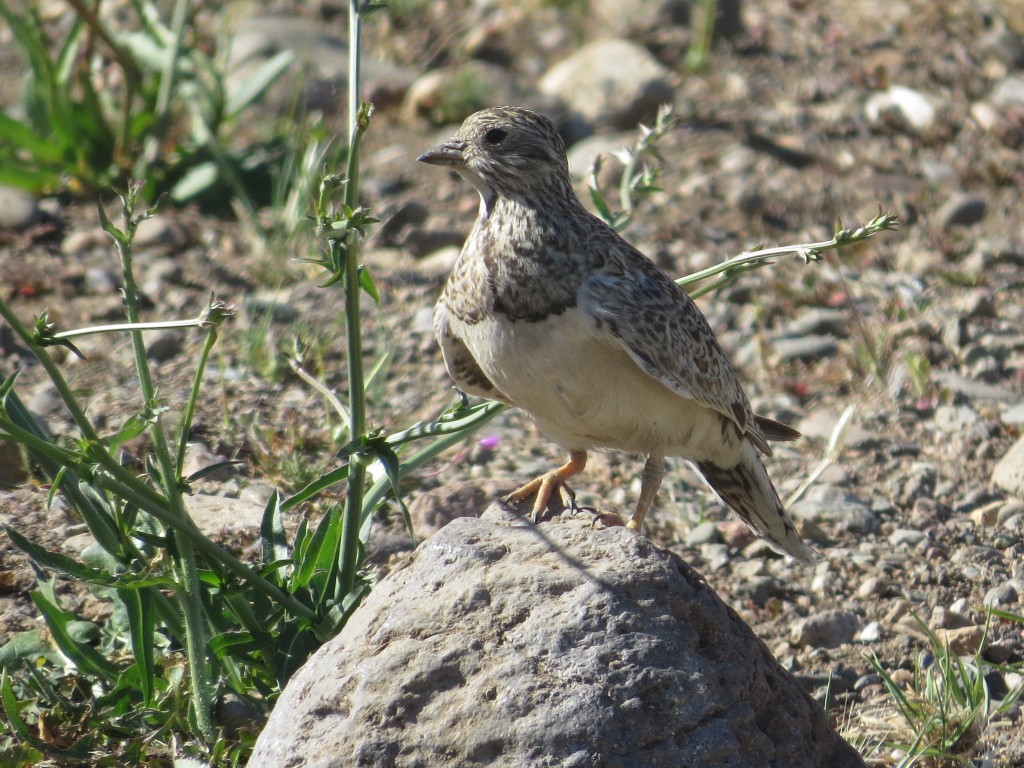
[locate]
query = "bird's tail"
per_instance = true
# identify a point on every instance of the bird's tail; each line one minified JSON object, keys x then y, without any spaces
{"x":748,"y":491}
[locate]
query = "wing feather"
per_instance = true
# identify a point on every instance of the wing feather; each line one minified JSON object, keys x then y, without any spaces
{"x":664,"y":332}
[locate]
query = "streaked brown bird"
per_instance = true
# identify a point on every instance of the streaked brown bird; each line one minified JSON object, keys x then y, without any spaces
{"x":550,"y":310}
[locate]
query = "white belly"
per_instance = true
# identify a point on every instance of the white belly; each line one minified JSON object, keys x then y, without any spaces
{"x":584,"y":391}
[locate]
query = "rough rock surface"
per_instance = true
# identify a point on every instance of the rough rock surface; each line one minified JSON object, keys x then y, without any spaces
{"x":564,"y":644}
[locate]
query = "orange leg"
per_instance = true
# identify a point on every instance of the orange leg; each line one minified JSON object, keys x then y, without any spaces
{"x":650,"y":482}
{"x":546,"y":484}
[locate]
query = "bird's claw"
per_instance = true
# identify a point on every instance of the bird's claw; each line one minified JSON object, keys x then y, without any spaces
{"x":566,"y":496}
{"x":607,"y":519}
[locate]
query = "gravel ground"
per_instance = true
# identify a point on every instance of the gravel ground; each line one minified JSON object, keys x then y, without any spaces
{"x":808,"y":113}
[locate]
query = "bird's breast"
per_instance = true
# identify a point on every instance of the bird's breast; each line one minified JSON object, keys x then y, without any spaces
{"x":584,"y":391}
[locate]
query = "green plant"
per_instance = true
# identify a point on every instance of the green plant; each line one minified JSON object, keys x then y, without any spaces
{"x":187,"y":607}
{"x":702,"y":27}
{"x":641,"y":166}
{"x":191,"y":617}
{"x":939,"y":716}
{"x":920,"y":371}
{"x":169,"y":120}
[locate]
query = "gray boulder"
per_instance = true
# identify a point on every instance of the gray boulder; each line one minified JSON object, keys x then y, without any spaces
{"x":611,"y":83}
{"x":565,"y":644}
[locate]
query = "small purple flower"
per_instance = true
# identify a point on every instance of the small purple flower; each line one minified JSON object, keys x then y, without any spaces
{"x":490,"y":442}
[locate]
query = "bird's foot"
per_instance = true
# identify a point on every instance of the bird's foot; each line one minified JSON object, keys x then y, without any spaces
{"x":543,"y":488}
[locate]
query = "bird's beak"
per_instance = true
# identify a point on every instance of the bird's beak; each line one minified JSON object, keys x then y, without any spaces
{"x":449,"y":153}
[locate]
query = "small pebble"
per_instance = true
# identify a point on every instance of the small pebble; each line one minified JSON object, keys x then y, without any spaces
{"x":866,"y":680}
{"x":805,"y":348}
{"x":871,"y":633}
{"x":827,"y":629}
{"x":902,"y":106}
{"x":164,"y":345}
{"x":963,"y":640}
{"x":960,"y":606}
{"x":872,"y":586}
{"x":902,"y":677}
{"x":703,"y":533}
{"x":18,"y":209}
{"x":1010,"y":509}
{"x":987,"y":515}
{"x":954,"y":418}
{"x":160,"y":232}
{"x":1003,"y":594}
{"x":906,"y":537}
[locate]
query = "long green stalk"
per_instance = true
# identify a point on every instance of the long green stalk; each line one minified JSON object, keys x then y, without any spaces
{"x":358,"y":120}
{"x":221,"y":311}
{"x":197,"y":634}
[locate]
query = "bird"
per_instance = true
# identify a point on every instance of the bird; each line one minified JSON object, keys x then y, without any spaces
{"x":550,"y":310}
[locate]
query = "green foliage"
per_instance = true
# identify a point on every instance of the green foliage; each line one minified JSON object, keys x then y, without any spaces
{"x":702,"y":26}
{"x":167,"y":117}
{"x":641,"y":166}
{"x":920,"y":371}
{"x":67,"y":127}
{"x":939,"y":716}
{"x":191,"y":622}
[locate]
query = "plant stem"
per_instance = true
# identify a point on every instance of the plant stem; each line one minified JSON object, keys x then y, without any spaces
{"x":807,"y":251}
{"x":358,"y":120}
{"x":155,"y":326}
{"x":190,"y":596}
{"x":190,"y":406}
{"x":444,"y":441}
{"x":63,"y":390}
{"x":124,"y":59}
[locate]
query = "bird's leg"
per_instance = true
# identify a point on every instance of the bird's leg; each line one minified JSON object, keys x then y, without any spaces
{"x":650,"y":482}
{"x":546,"y":484}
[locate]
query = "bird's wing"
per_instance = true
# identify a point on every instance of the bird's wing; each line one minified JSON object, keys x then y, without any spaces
{"x":661,"y":329}
{"x":461,"y":365}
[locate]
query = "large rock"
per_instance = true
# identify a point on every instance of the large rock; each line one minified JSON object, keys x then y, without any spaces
{"x":322,"y":59}
{"x":612,"y":83}
{"x":503,"y":643}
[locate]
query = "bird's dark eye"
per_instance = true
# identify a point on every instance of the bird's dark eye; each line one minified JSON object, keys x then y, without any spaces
{"x":495,"y":136}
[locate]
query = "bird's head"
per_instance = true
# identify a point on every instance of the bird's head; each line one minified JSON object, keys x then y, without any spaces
{"x":505,"y":151}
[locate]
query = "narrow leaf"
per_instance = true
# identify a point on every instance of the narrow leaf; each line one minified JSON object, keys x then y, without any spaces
{"x":142,"y":624}
{"x":11,"y":709}
{"x":14,"y":133}
{"x":87,"y":658}
{"x":258,"y":82}
{"x":213,"y":468}
{"x":312,"y":489}
{"x":274,"y":543}
{"x":319,"y":554}
{"x":367,"y":284}
{"x":198,"y":179}
{"x":58,"y":562}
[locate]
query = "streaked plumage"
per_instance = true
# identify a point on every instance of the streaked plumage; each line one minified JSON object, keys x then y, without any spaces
{"x":550,"y":310}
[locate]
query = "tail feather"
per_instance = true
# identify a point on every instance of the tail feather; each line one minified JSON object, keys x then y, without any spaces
{"x":748,"y":491}
{"x":776,"y":430}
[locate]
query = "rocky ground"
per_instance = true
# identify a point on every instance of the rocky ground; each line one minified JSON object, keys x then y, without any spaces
{"x":807,"y":113}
